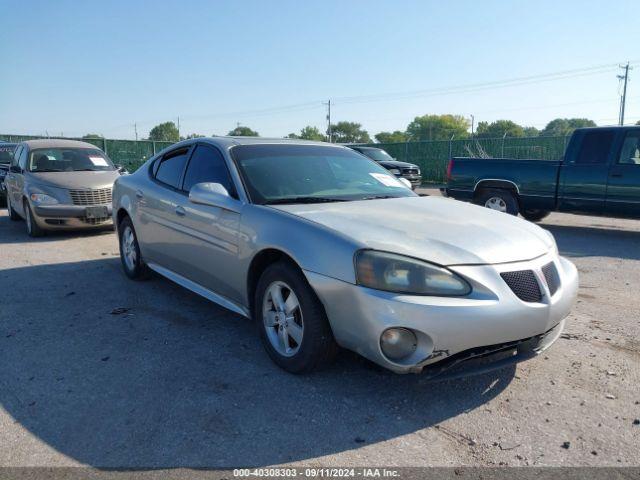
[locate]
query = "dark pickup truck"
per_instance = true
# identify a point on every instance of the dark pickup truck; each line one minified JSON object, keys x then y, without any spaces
{"x":599,"y":175}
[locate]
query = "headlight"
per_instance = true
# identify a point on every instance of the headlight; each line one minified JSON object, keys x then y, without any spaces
{"x":400,"y":274}
{"x":395,"y":171}
{"x":43,"y":199}
{"x":418,"y":171}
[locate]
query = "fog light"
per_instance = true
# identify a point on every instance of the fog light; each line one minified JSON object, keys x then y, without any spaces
{"x":398,"y":343}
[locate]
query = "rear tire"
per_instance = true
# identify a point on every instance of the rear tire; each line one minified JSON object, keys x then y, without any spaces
{"x":13,"y":215}
{"x":33,"y":229}
{"x":130,"y":257}
{"x":293,"y":325}
{"x":535,"y":215}
{"x":498,"y":199}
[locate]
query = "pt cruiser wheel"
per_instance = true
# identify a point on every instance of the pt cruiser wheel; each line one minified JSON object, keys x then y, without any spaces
{"x":292,"y":323}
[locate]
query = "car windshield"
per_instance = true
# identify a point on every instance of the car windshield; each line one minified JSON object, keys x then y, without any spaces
{"x":6,"y":153}
{"x":68,"y":160}
{"x":377,"y":154}
{"x":312,"y":174}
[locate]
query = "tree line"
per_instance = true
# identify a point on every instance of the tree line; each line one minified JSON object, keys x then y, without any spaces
{"x":423,"y":128}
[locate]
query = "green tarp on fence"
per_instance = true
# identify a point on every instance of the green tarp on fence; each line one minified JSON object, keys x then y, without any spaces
{"x":431,"y":157}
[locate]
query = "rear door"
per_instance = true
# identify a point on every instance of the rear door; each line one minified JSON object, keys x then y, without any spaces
{"x":584,"y":172}
{"x":160,"y":209}
{"x":623,"y":191}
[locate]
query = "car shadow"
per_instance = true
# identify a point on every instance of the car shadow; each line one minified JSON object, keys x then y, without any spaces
{"x":16,"y":232}
{"x":594,"y":241}
{"x":120,"y":374}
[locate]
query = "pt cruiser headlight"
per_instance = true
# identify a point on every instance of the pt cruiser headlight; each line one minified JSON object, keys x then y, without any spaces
{"x":400,"y":274}
{"x":43,"y":199}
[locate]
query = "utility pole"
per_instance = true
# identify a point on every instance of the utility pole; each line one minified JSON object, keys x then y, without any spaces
{"x":472,"y":124}
{"x":135,"y":128}
{"x":178,"y":127}
{"x":623,"y":98}
{"x":328,"y":104}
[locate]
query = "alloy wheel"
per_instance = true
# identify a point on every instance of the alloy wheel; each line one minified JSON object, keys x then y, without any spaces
{"x":129,"y":250}
{"x":496,"y":203}
{"x":282,"y":318}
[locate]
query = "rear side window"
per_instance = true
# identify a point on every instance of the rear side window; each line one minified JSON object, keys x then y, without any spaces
{"x":630,"y":151}
{"x":207,"y":165}
{"x":595,"y":147}
{"x":170,"y":168}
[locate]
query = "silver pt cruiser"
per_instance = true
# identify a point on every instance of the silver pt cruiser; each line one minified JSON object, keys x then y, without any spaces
{"x":322,"y":248}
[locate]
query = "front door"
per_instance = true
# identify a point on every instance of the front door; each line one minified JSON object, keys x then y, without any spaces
{"x":623,"y":191}
{"x":209,"y":247}
{"x":583,"y":175}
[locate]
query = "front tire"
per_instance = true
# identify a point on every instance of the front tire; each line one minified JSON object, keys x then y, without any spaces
{"x":33,"y":229}
{"x":535,"y":215}
{"x":130,"y":257}
{"x":13,"y":215}
{"x":291,"y":320}
{"x":497,"y":199}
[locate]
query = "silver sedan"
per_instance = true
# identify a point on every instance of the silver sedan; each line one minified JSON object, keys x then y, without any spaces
{"x":322,"y":247}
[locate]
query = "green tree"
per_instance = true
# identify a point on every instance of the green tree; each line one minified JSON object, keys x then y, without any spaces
{"x":92,"y":135}
{"x":192,"y":135}
{"x":241,"y":131}
{"x":391,"y":137}
{"x":438,"y":127}
{"x":498,"y":128}
{"x":349,"y":132}
{"x":312,"y":133}
{"x":560,"y":127}
{"x":165,"y":132}
{"x":531,"y":131}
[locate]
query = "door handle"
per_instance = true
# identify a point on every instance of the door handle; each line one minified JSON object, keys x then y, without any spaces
{"x":616,"y":175}
{"x":139,"y":194}
{"x":180,"y":211}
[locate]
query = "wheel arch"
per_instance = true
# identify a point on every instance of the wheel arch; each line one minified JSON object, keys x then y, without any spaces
{"x":497,"y":183}
{"x":259,"y":263}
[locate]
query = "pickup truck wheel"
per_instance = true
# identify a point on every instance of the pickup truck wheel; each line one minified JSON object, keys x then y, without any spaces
{"x":497,"y":199}
{"x":292,"y":323}
{"x":535,"y":215}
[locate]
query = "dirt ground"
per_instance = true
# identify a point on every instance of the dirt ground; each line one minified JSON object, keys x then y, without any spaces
{"x":98,"y":370}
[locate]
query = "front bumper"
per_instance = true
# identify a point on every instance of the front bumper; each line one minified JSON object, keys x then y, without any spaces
{"x":447,"y":326}
{"x":65,"y":217}
{"x":415,"y":180}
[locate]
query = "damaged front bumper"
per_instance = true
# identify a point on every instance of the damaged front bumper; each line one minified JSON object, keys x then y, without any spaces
{"x":452,"y":330}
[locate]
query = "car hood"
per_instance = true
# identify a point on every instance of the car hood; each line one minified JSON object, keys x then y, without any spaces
{"x":396,"y":164}
{"x":435,"y":229}
{"x":74,"y":180}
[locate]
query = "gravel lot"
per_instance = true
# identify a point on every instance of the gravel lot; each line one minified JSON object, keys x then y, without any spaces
{"x":171,"y":380}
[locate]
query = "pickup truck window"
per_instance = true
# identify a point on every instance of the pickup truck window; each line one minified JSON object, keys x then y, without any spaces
{"x":630,"y":151}
{"x":595,"y":147}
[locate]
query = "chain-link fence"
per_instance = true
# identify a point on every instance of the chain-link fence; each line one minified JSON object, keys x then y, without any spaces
{"x":430,"y":156}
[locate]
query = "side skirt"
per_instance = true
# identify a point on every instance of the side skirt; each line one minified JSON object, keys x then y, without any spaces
{"x":200,"y":290}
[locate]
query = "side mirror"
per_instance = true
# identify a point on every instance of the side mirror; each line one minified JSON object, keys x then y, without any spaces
{"x":213,"y":195}
{"x":15,"y":169}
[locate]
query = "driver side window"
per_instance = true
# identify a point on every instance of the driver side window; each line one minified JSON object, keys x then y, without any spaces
{"x":630,"y":151}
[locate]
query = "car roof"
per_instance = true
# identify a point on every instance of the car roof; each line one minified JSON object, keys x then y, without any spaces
{"x":57,"y":143}
{"x":228,"y":142}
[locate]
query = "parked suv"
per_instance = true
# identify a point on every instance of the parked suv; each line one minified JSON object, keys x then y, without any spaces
{"x":60,"y":184}
{"x":405,"y":170}
{"x":6,"y":154}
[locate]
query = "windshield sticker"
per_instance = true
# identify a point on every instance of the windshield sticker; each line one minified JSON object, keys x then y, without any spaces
{"x":386,"y":180}
{"x":99,"y":161}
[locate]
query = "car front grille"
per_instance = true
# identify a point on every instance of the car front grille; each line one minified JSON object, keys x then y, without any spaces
{"x":410,"y":171}
{"x":99,"y":196}
{"x":551,"y":276}
{"x":524,"y":284}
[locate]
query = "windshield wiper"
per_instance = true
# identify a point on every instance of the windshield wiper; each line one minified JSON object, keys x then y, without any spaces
{"x":46,"y":170}
{"x":89,"y":170}
{"x":280,"y":201}
{"x":379,"y":197}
